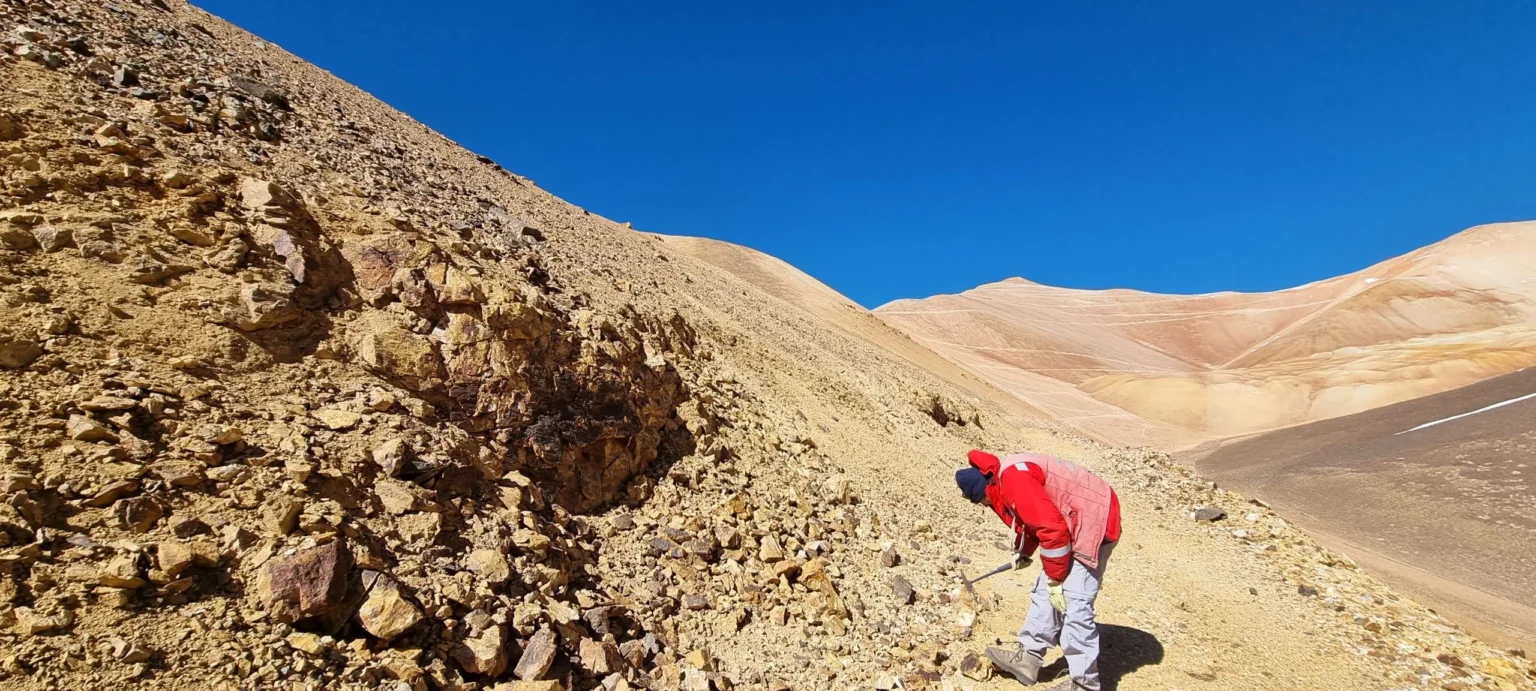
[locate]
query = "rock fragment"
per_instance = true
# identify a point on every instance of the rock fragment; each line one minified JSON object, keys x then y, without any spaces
{"x":308,"y":583}
{"x":538,"y":655}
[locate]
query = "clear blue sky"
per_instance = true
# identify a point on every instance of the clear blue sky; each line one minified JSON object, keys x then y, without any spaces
{"x":901,"y":149}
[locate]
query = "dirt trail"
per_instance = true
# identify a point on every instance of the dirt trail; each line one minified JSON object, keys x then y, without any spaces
{"x":358,"y":409}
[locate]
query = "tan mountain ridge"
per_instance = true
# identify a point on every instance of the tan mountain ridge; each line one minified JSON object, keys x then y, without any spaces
{"x":296,"y":393}
{"x":1175,"y":371}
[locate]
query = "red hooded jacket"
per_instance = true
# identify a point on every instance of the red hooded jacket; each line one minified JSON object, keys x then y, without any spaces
{"x":1040,"y":523}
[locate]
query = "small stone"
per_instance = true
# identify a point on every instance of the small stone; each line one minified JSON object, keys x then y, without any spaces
{"x":889,"y":557}
{"x":695,"y":602}
{"x":538,"y":655}
{"x":770,"y":551}
{"x":173,"y":557}
{"x":112,"y":492}
{"x":396,"y":496}
{"x":490,"y":565}
{"x":903,"y":591}
{"x":18,"y":351}
{"x":193,"y":236}
{"x":974,"y":667}
{"x":187,"y":526}
{"x":485,"y":653}
{"x":17,"y":239}
{"x":128,"y":652}
{"x":138,"y":514}
{"x":34,"y":623}
{"x":337,"y":420}
{"x":82,"y":428}
{"x":122,"y":572}
{"x":392,"y":456}
{"x":181,"y":473}
{"x":281,"y":515}
{"x":1210,"y":513}
{"x":53,"y":238}
{"x":381,"y":401}
{"x":307,"y":643}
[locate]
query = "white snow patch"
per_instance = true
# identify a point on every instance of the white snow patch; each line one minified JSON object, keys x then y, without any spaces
{"x":1479,"y":410}
{"x":1369,"y":281}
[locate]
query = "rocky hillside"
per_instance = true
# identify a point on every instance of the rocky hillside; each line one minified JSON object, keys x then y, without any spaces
{"x":296,"y":393}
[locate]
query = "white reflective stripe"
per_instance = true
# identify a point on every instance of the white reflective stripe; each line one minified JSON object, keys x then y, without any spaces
{"x":1057,"y":552}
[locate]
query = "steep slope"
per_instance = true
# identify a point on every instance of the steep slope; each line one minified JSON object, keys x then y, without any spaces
{"x":1192,"y":368}
{"x":299,"y":394}
{"x":1433,"y":493}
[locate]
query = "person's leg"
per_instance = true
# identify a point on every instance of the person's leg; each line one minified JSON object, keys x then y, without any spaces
{"x":1080,"y":631}
{"x":1042,"y":625}
{"x":1041,"y":629}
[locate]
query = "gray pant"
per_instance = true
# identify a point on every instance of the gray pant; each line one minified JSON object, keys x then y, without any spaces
{"x":1079,"y":633}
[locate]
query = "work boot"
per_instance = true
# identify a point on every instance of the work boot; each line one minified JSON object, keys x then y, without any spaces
{"x":1018,"y":662}
{"x":1069,"y":684}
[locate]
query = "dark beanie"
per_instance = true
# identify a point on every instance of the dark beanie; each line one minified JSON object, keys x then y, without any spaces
{"x":972,"y":484}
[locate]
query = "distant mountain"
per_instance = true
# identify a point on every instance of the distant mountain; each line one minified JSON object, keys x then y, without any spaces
{"x":1174,"y":371}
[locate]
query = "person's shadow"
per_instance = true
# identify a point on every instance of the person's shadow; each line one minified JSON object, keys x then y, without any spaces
{"x":1122,"y":650}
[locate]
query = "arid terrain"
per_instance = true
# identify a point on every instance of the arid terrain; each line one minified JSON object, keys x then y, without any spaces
{"x":297,"y":393}
{"x":1445,"y":510}
{"x":1175,"y":371}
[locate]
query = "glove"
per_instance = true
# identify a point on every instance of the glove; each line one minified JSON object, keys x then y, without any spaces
{"x":1058,"y":600}
{"x":1020,"y":561}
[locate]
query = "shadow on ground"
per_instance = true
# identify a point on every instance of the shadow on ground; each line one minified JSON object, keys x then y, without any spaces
{"x":1122,"y":650}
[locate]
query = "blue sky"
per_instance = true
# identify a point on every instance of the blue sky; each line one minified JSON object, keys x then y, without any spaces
{"x":902,"y":149}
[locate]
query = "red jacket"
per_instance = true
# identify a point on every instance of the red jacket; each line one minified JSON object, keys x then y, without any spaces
{"x":1039,"y":522}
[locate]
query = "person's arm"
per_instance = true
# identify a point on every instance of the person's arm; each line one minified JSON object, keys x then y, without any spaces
{"x":1046,"y":528}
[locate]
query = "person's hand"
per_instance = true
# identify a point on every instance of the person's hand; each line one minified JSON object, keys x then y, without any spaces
{"x":1058,"y":600}
{"x":1020,"y":561}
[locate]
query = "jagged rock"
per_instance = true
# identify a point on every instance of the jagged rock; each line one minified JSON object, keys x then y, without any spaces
{"x":308,"y":583}
{"x":52,"y":238}
{"x":392,"y":455}
{"x":82,"y":428}
{"x":490,"y":565}
{"x":281,"y":515}
{"x":307,"y":643}
{"x":485,"y":653}
{"x":34,"y":623}
{"x":974,"y":667}
{"x":1210,"y":513}
{"x":180,"y":473}
{"x":395,"y":496}
{"x":542,"y":685}
{"x":393,"y":351}
{"x":903,"y":590}
{"x":173,"y":557}
{"x":122,"y":572}
{"x":599,"y":658}
{"x":261,"y":305}
{"x":257,"y":194}
{"x":129,"y":652}
{"x":113,"y":491}
{"x":336,"y":419}
{"x":770,"y":551}
{"x":138,"y":514}
{"x":538,"y":655}
{"x":889,"y":557}
{"x":17,"y":351}
{"x":16,"y":239}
